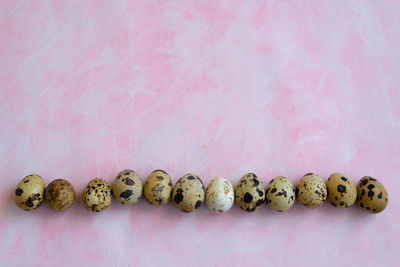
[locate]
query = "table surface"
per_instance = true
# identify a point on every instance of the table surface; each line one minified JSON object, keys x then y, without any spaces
{"x":209,"y":87}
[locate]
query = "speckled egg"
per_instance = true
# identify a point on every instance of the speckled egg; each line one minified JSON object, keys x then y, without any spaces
{"x":97,"y":195}
{"x":249,"y":192}
{"x":311,"y":191}
{"x":127,"y":187}
{"x":372,"y":195}
{"x":188,"y":193}
{"x":157,"y":188}
{"x":279,"y":194}
{"x":29,"y":192}
{"x":60,"y":195}
{"x":342,"y":192}
{"x":219,"y":195}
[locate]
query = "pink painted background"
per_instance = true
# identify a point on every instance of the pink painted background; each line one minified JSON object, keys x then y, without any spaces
{"x":215,"y":88}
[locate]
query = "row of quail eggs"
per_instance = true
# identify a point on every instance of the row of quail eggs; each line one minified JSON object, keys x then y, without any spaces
{"x":189,"y":192}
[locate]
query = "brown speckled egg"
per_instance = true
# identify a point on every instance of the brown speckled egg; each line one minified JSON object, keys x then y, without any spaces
{"x":188,"y":193}
{"x":311,"y":191}
{"x":97,"y":195}
{"x":342,"y":192}
{"x":249,"y":193}
{"x":372,"y":195}
{"x":60,"y":194}
{"x":279,"y":194}
{"x":127,"y":187}
{"x":29,"y":192}
{"x":157,"y":188}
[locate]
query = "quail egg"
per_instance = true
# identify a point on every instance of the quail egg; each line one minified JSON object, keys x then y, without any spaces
{"x":279,"y":194}
{"x":311,"y":191}
{"x":127,"y":187}
{"x":219,"y":195}
{"x":60,"y":195}
{"x":97,"y":195}
{"x":372,"y":195}
{"x":342,"y":192}
{"x":157,"y":188}
{"x":188,"y":193}
{"x":249,"y":193}
{"x":29,"y":192}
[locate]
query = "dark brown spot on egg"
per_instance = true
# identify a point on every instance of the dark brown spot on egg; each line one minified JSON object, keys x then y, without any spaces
{"x":128,"y":181}
{"x":380,"y":195}
{"x":341,"y":188}
{"x":191,"y":177}
{"x":255,"y":182}
{"x":283,"y":193}
{"x":247,"y":198}
{"x":26,"y":181}
{"x":178,"y":197}
{"x":371,"y":186}
{"x":260,"y":193}
{"x":273,"y":190}
{"x":19,"y":191}
{"x":127,"y":173}
{"x":31,"y":199}
{"x":259,"y":202}
{"x":344,"y":179}
{"x":126,"y":194}
{"x":198,"y":204}
{"x":160,"y":178}
{"x":29,"y":202}
{"x":371,"y":194}
{"x":159,"y":200}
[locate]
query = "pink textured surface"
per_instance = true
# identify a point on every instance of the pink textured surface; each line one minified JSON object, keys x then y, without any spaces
{"x":213,"y":88}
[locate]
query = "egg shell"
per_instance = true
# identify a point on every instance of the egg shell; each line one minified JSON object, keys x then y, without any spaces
{"x":127,"y":188}
{"x":157,"y":188}
{"x":29,"y":192}
{"x":279,"y":194}
{"x":60,"y":195}
{"x":249,"y":193}
{"x":342,"y":192}
{"x":372,"y":195}
{"x":188,"y":193}
{"x":219,"y":195}
{"x":311,"y":191}
{"x":97,"y":195}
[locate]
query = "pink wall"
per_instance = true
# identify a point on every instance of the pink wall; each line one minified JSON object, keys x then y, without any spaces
{"x":218,"y":89}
